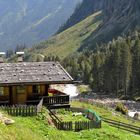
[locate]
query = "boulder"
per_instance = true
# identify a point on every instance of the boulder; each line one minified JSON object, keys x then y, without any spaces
{"x":9,"y":121}
{"x":137,"y":116}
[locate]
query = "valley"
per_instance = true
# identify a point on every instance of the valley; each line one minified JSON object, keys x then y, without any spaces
{"x":98,"y":44}
{"x":29,"y":22}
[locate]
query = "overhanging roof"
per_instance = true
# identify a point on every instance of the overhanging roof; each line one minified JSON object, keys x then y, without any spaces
{"x":33,"y":72}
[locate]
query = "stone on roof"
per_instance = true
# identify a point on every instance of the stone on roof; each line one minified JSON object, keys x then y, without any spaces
{"x":33,"y":72}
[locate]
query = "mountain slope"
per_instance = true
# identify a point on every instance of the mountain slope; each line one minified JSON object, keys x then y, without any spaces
{"x":68,"y":41}
{"x":121,"y":17}
{"x":83,"y":10}
{"x":118,"y":18}
{"x":30,"y":21}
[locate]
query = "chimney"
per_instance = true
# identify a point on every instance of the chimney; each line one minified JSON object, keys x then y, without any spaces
{"x":20,"y":56}
{"x":2,"y":54}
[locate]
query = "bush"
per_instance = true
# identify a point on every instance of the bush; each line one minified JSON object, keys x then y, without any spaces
{"x":124,"y":110}
{"x":121,"y":108}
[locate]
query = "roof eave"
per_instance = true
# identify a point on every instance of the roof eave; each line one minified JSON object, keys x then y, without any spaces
{"x":35,"y":83}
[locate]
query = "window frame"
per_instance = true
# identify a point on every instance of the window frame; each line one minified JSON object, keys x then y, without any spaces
{"x":36,"y":89}
{"x":21,"y":89}
{"x":1,"y":91}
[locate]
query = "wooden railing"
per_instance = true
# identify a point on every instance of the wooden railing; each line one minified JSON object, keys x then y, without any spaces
{"x":73,"y":126}
{"x":50,"y":100}
{"x":20,"y":110}
{"x":56,"y":100}
{"x":4,"y":100}
{"x":121,"y":125}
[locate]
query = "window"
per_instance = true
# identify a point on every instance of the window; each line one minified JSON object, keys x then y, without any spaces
{"x":21,"y":89}
{"x":36,"y":89}
{"x":1,"y":90}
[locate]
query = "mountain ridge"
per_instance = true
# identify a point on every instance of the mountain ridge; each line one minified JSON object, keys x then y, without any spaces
{"x":118,"y":18}
{"x":82,"y":11}
{"x":29,"y":22}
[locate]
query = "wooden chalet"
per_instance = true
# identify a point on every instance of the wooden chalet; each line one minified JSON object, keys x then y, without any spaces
{"x":28,"y":82}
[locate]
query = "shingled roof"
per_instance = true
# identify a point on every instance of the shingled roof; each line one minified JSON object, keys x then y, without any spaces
{"x":33,"y":72}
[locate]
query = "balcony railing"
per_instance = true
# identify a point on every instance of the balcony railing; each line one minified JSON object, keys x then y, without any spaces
{"x":49,"y":100}
{"x":63,"y":99}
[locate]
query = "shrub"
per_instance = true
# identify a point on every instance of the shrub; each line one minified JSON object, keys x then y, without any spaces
{"x":124,"y":110}
{"x":121,"y":108}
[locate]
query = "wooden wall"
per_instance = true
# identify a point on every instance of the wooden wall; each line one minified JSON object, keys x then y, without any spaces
{"x":14,"y":98}
{"x":22,"y":97}
{"x":6,"y":91}
{"x":29,"y":90}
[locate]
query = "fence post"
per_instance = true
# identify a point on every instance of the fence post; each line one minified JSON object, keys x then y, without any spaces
{"x":16,"y":111}
{"x":118,"y":125}
{"x":35,"y":109}
{"x":19,"y":110}
{"x":13,"y":110}
{"x":29,"y":114}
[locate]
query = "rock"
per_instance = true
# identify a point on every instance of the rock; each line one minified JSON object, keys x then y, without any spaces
{"x":77,"y":114}
{"x":136,"y":116}
{"x":9,"y":121}
{"x":5,"y":120}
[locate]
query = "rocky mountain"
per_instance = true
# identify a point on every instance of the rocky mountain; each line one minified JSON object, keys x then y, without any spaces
{"x":66,"y":42}
{"x":82,"y":11}
{"x":108,"y":20}
{"x":120,"y":17}
{"x":31,"y":21}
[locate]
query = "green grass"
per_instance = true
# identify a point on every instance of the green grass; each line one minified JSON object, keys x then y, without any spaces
{"x":67,"y":42}
{"x":37,"y":128}
{"x":106,"y":113}
{"x":68,"y":116}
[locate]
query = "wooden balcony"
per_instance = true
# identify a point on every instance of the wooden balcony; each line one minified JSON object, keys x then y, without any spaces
{"x":4,"y":100}
{"x":52,"y":102}
{"x":56,"y":102}
{"x":63,"y":99}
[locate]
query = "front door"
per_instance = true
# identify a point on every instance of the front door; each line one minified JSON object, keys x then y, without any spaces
{"x":21,"y":95}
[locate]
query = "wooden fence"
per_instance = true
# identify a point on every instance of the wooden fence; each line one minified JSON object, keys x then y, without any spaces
{"x":85,"y":125}
{"x":89,"y":114}
{"x":74,"y":126}
{"x":63,"y":99}
{"x":23,"y":110}
{"x":121,"y":125}
{"x":20,"y":110}
{"x":68,"y":126}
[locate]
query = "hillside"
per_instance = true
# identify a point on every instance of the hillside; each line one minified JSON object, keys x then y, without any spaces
{"x":37,"y":128}
{"x":31,"y":21}
{"x":119,"y":18}
{"x":68,"y":41}
{"x":82,"y":11}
